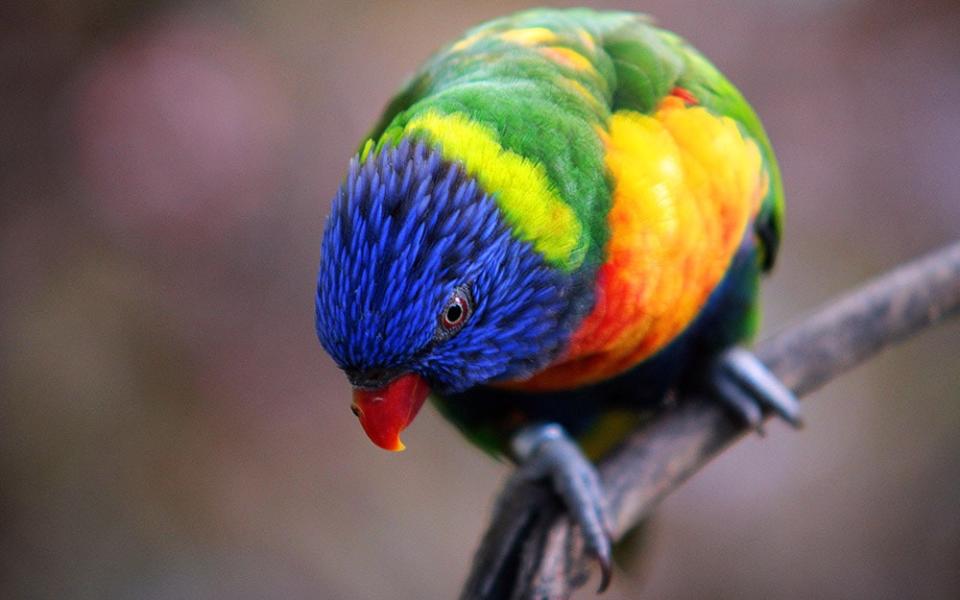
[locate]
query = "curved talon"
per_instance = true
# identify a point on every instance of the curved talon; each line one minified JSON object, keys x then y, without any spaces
{"x":546,"y":452}
{"x":606,"y":573}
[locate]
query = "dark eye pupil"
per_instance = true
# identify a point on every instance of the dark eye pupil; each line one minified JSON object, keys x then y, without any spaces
{"x":454,"y":313}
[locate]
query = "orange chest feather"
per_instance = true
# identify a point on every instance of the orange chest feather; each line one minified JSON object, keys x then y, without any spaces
{"x":686,"y":185}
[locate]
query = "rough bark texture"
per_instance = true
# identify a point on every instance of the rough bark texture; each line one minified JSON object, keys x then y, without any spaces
{"x":530,"y":549}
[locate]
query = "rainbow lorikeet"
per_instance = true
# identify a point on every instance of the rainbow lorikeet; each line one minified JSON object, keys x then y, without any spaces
{"x":561,"y":217}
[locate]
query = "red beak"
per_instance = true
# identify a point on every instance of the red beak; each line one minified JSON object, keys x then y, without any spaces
{"x":385,"y":412}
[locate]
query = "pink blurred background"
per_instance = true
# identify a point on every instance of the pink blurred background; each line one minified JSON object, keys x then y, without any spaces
{"x":170,"y":428}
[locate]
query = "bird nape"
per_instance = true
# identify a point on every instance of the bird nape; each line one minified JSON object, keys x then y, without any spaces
{"x":564,"y":215}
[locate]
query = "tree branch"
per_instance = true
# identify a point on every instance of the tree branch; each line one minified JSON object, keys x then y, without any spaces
{"x":531,"y":550}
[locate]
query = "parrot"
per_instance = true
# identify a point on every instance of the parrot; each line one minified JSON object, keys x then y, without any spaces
{"x":561,"y":218}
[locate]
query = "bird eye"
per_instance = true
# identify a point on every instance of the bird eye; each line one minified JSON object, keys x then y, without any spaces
{"x":456,"y":311}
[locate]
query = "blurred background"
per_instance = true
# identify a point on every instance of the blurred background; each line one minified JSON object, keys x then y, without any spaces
{"x":170,"y":428}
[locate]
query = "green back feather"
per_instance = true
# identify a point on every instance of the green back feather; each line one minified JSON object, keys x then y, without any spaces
{"x":527,"y":99}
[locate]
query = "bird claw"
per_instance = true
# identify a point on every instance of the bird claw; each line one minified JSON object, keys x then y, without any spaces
{"x":606,"y":573}
{"x":746,"y":386}
{"x":546,"y":452}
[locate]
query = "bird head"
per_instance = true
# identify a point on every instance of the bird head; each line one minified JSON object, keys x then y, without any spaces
{"x":424,"y":286}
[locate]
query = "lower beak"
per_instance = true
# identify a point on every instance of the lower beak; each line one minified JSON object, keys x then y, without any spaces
{"x":387,"y":411}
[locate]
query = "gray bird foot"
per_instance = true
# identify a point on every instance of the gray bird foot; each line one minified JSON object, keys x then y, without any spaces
{"x":746,"y":386}
{"x":546,"y":452}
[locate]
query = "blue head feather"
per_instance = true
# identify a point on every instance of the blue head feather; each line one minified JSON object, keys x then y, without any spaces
{"x":405,"y":230}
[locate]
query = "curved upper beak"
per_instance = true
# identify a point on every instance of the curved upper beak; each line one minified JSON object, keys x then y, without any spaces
{"x":387,"y":411}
